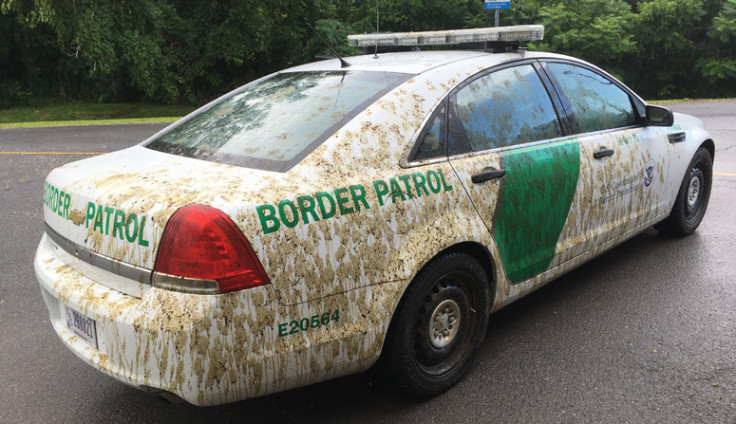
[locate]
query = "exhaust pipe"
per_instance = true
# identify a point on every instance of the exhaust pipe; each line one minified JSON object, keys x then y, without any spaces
{"x":168,"y":397}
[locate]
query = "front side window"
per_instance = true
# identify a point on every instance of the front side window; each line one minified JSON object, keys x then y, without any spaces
{"x":275,"y":123}
{"x":597,"y":102}
{"x":506,"y":107}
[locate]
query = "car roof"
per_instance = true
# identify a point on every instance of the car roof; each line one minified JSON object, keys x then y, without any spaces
{"x":414,"y":62}
{"x":418,"y":62}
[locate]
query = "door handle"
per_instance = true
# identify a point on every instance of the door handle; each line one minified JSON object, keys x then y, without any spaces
{"x":603,"y":153}
{"x":485,"y":176}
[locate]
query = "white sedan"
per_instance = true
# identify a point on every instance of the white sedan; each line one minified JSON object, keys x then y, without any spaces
{"x":308,"y":223}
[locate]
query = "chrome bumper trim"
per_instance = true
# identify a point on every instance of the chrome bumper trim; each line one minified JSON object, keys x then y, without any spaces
{"x":142,"y":275}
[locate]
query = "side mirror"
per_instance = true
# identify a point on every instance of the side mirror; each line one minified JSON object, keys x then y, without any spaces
{"x":659,"y":116}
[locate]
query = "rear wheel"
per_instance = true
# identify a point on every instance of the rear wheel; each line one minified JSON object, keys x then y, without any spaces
{"x":692,"y":199}
{"x":439,"y":325}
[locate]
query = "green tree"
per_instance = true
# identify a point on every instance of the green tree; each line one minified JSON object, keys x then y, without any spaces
{"x":668,"y":32}
{"x":595,"y":30}
{"x":31,"y":63}
{"x":718,"y":65}
{"x":187,"y":50}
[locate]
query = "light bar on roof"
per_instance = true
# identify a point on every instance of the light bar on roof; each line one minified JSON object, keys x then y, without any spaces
{"x":450,"y":37}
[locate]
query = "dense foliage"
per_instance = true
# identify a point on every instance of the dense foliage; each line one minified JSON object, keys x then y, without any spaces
{"x":189,"y":51}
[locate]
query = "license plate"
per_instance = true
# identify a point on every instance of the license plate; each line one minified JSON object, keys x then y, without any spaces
{"x":82,"y":326}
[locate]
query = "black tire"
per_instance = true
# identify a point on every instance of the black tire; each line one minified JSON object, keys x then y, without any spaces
{"x":692,"y":199}
{"x":453,"y":292}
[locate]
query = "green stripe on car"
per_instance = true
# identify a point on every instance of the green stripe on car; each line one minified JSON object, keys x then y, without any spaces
{"x":538,"y":190}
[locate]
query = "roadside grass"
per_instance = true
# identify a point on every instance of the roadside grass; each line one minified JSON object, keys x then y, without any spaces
{"x":123,"y":113}
{"x":91,"y":114}
{"x":687,"y":100}
{"x":665,"y":101}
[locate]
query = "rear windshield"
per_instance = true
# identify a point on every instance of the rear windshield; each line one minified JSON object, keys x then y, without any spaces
{"x":274,"y":123}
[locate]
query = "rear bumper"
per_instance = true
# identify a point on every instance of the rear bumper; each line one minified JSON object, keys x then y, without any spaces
{"x":212,"y":349}
{"x":146,"y":341}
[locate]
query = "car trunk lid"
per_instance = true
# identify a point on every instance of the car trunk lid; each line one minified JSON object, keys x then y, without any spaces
{"x":110,"y":211}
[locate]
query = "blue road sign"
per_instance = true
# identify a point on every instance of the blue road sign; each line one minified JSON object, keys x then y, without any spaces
{"x":498,"y":5}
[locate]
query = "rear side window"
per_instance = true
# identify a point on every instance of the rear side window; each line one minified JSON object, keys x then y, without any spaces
{"x":433,"y":143}
{"x":506,"y":107}
{"x":275,"y":123}
{"x":597,"y":102}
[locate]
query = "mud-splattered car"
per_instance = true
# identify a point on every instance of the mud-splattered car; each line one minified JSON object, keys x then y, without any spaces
{"x":304,"y":225}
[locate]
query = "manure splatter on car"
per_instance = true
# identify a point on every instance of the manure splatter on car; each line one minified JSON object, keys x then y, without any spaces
{"x":304,"y":225}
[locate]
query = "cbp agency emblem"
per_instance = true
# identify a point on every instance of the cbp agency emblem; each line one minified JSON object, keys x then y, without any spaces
{"x":649,"y":173}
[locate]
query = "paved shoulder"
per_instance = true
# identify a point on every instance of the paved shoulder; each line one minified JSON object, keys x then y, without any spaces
{"x":92,"y":138}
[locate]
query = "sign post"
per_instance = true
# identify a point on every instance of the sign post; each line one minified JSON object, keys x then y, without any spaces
{"x":497,"y":6}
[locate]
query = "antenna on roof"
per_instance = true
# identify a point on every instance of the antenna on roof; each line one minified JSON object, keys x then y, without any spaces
{"x":375,"y":53}
{"x":343,"y":63}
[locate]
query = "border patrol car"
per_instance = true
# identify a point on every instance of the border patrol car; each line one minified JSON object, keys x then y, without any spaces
{"x":304,"y":225}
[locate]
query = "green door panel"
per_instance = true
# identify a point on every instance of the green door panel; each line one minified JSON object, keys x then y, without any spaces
{"x":538,"y":190}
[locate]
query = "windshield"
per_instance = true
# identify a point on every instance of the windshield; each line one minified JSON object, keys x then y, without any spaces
{"x":275,"y":123}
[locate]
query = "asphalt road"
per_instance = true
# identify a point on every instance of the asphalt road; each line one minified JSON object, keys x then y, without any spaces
{"x":644,"y":334}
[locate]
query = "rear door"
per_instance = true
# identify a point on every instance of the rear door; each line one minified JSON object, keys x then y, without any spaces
{"x":507,"y":146}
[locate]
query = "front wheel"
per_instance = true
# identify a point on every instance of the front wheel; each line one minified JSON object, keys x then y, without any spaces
{"x":692,"y":199}
{"x":439,"y":325}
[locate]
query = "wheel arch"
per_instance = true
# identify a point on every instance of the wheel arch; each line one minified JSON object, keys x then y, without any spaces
{"x":682,"y":219}
{"x":472,"y":248}
{"x":710,"y":146}
{"x":483,"y":256}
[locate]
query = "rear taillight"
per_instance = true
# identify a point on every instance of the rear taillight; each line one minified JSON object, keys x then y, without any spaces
{"x":202,"y":251}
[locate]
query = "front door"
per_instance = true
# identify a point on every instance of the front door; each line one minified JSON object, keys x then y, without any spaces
{"x":625,"y":160}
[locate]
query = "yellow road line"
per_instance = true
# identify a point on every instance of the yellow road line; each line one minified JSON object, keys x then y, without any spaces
{"x":52,"y":153}
{"x":725,"y":174}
